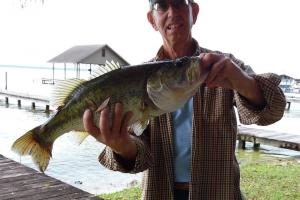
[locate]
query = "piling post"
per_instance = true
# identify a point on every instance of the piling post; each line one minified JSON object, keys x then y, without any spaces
{"x":33,"y":106}
{"x":256,"y":145}
{"x":6,"y":100}
{"x":19,"y":103}
{"x":47,"y":109}
{"x":242,"y":144}
{"x":288,"y":105}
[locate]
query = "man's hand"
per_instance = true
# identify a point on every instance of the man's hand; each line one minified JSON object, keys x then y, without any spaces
{"x":223,"y":72}
{"x":116,"y":135}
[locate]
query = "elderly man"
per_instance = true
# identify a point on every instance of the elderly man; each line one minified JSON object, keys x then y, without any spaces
{"x":190,"y":154}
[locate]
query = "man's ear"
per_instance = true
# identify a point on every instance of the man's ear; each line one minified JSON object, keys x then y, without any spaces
{"x":151,"y":19}
{"x":195,"y":11}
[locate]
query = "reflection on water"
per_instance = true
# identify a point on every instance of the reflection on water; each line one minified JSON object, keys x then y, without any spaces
{"x":270,"y":150}
{"x":73,"y":164}
{"x":79,"y":166}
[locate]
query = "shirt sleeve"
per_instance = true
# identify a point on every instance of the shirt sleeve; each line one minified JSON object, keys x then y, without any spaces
{"x":109,"y":159}
{"x":275,"y":102}
{"x":273,"y":109}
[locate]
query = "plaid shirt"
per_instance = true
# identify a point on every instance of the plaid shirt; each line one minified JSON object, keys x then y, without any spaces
{"x":214,"y":169}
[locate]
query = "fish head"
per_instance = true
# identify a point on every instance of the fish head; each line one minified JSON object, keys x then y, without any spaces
{"x":173,"y":84}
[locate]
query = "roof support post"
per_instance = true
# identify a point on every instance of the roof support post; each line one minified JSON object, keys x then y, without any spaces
{"x":53,"y":73}
{"x":78,"y":70}
{"x":65,"y":71}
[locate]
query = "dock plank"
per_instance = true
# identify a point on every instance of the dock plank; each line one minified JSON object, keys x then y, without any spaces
{"x":24,"y":96}
{"x":20,"y":182}
{"x":268,"y":137}
{"x":58,"y":189}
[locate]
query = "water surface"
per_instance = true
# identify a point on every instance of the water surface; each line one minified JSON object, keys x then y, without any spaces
{"x":73,"y":164}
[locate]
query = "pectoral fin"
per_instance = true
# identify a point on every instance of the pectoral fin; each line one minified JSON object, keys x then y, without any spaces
{"x":103,"y":105}
{"x":91,"y":105}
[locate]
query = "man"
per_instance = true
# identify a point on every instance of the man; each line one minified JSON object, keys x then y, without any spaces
{"x":189,"y":154}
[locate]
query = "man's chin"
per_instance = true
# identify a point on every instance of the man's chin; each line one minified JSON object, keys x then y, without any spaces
{"x":176,"y":39}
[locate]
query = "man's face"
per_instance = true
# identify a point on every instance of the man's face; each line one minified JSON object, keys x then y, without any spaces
{"x":173,"y":19}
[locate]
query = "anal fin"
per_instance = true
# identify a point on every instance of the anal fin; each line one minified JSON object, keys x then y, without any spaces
{"x":79,"y":136}
{"x":139,"y":127}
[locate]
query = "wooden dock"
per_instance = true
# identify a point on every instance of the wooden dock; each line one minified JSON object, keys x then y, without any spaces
{"x":27,"y":97}
{"x":19,"y":95}
{"x":268,"y":137}
{"x":290,"y":99}
{"x":20,"y":182}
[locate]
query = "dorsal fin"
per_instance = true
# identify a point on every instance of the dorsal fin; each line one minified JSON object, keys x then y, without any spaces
{"x":103,"y":69}
{"x":62,"y":90}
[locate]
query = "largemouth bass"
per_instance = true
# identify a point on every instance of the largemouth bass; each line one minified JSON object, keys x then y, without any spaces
{"x":148,"y":90}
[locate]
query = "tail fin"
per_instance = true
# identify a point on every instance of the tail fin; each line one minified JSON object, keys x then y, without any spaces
{"x":32,"y":144}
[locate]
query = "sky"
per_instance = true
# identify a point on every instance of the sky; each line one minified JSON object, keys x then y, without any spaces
{"x":264,"y":34}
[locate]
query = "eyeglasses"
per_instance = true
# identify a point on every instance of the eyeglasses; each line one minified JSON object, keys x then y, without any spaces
{"x":163,"y":5}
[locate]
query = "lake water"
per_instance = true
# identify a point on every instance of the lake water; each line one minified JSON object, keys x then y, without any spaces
{"x":27,"y":79}
{"x":73,"y":164}
{"x":78,"y":165}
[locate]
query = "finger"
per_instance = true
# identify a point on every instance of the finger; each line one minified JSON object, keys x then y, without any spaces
{"x":219,"y":81}
{"x":117,"y":119}
{"x":215,"y":71}
{"x":104,"y":122}
{"x":88,"y":123}
{"x":208,"y":59}
{"x":125,"y":122}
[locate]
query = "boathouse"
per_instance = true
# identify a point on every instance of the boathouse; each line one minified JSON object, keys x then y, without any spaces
{"x":289,"y":84}
{"x":92,"y":55}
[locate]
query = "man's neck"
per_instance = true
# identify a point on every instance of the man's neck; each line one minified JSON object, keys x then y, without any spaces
{"x":173,"y":51}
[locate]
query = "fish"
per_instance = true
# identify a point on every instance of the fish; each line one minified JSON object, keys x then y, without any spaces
{"x":147,"y":90}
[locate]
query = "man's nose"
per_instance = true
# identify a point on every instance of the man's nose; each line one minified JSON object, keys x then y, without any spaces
{"x":172,"y":10}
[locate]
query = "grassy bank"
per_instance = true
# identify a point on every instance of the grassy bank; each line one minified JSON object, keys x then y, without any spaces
{"x":268,"y":177}
{"x":128,"y":194}
{"x":263,"y":177}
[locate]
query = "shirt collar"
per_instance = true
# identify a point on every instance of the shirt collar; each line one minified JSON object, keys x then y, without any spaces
{"x":161,"y":53}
